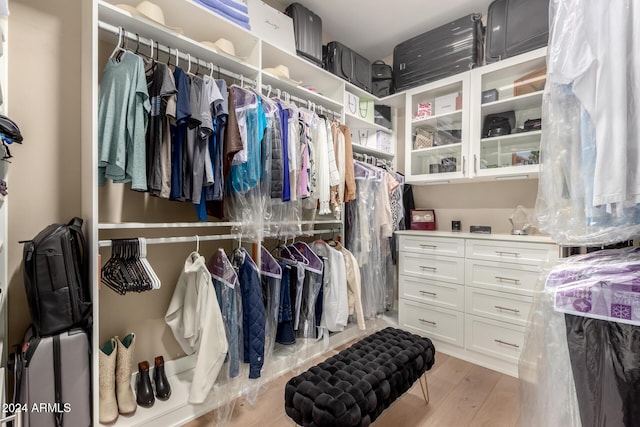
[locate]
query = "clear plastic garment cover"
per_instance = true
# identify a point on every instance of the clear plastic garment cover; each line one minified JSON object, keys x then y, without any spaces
{"x":580,"y":364}
{"x":589,"y":188}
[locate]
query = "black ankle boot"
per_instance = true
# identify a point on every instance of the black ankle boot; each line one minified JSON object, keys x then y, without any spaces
{"x":144,"y":391}
{"x":163,"y":389}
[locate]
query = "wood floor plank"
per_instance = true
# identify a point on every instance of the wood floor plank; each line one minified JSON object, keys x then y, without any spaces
{"x":462,"y":394}
{"x":462,"y":404}
{"x":411,"y":410}
{"x":501,"y":409}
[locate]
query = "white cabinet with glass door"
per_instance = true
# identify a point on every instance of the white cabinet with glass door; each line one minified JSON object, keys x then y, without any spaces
{"x":437,"y":130}
{"x":506,"y":108}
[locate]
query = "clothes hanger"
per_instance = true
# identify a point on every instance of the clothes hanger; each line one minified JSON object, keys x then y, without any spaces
{"x":189,"y":61}
{"x":155,"y":280}
{"x":119,"y":47}
{"x":298,"y":255}
{"x":314,"y":264}
{"x":221,"y":268}
{"x":268,"y":264}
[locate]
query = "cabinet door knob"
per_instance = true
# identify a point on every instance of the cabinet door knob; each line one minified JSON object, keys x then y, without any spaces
{"x":464,"y":163}
{"x":433,"y":294}
{"x":475,"y":163}
{"x":507,"y":309}
{"x":427,"y":246}
{"x":507,"y":343}
{"x":426,"y":267}
{"x":428,"y":322}
{"x":508,"y":279}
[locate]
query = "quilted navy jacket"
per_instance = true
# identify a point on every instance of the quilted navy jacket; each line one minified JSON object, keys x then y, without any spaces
{"x":253,"y":315}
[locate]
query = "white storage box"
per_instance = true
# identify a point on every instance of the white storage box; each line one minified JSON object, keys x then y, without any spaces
{"x":447,"y":103}
{"x":383,"y":141}
{"x":272,"y":25}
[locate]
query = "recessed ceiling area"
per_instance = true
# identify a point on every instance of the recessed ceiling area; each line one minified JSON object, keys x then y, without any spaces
{"x":374,"y":27}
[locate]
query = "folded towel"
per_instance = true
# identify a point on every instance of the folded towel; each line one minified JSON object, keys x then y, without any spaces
{"x":237,"y":4}
{"x":220,"y":8}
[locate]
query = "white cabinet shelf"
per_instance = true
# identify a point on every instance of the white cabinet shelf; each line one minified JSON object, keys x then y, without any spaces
{"x":432,"y":120}
{"x":246,"y":47}
{"x":451,"y":148}
{"x":355,"y":122}
{"x":357,"y":148}
{"x":522,"y":102}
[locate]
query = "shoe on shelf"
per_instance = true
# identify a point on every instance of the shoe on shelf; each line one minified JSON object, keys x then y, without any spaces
{"x":144,"y":390}
{"x":124,"y":392}
{"x":107,"y":389}
{"x":163,"y":388}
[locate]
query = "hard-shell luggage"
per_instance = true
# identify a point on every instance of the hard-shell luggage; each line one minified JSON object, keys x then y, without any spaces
{"x":381,"y":79}
{"x":52,"y":376}
{"x":56,"y":278}
{"x":349,"y":65}
{"x":307,"y":27}
{"x":515,"y":27}
{"x":444,"y":51}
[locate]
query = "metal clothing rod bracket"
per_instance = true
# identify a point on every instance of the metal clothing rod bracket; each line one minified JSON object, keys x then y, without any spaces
{"x":187,"y":57}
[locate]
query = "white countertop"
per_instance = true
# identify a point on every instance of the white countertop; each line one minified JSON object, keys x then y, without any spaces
{"x":481,"y":236}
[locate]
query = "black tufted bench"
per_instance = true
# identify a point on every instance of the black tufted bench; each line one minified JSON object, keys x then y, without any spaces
{"x":353,"y":387}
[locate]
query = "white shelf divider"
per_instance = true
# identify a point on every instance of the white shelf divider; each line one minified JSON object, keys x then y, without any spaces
{"x":356,"y":122}
{"x":357,"y":148}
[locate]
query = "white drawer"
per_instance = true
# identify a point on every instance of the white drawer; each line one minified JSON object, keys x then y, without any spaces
{"x":498,"y":305}
{"x":432,"y":245}
{"x":436,"y":267}
{"x":442,"y":294}
{"x":498,"y":276}
{"x":512,"y":252}
{"x":434,"y":322}
{"x":493,"y":338}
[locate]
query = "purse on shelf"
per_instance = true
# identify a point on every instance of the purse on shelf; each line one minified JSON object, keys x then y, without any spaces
{"x":424,"y":139}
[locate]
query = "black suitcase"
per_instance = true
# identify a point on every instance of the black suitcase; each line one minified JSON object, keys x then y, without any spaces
{"x":441,"y":52}
{"x":307,"y":28}
{"x":381,"y":79}
{"x":349,"y":65}
{"x":515,"y":27}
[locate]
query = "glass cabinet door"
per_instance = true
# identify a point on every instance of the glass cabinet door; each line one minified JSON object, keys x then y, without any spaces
{"x":437,"y":130}
{"x":506,"y":129}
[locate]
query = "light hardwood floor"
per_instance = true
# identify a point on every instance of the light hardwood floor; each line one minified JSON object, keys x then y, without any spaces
{"x":461,"y":394}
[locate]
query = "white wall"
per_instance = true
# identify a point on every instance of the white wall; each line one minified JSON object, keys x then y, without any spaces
{"x":44,"y":176}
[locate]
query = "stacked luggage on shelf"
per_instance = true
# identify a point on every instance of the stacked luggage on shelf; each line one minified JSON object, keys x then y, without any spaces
{"x":52,"y":365}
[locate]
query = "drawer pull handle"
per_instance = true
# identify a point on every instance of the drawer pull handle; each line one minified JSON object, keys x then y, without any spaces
{"x":513,"y":310}
{"x":428,"y":321}
{"x":508,"y":279}
{"x":425,"y":267}
{"x":507,"y":343}
{"x":433,"y":294}
{"x":428,"y":246}
{"x":516,"y":254}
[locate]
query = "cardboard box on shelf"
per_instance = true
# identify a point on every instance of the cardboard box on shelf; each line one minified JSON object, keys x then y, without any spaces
{"x":530,"y":82}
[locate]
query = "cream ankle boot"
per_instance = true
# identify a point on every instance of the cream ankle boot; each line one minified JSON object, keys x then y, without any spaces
{"x":126,"y":398}
{"x":107,"y":391}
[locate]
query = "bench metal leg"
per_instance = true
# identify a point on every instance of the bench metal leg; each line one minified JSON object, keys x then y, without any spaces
{"x":425,"y":388}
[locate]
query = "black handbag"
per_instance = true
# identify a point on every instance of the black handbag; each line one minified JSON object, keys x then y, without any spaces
{"x":498,"y":124}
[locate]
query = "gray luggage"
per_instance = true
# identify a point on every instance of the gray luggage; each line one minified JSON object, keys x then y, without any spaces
{"x":307,"y":28}
{"x":515,"y":27}
{"x":53,"y":379}
{"x":442,"y":52}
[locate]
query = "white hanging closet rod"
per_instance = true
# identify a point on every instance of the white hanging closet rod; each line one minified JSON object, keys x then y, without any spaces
{"x":271,"y":91}
{"x":147,"y":42}
{"x":189,"y":239}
